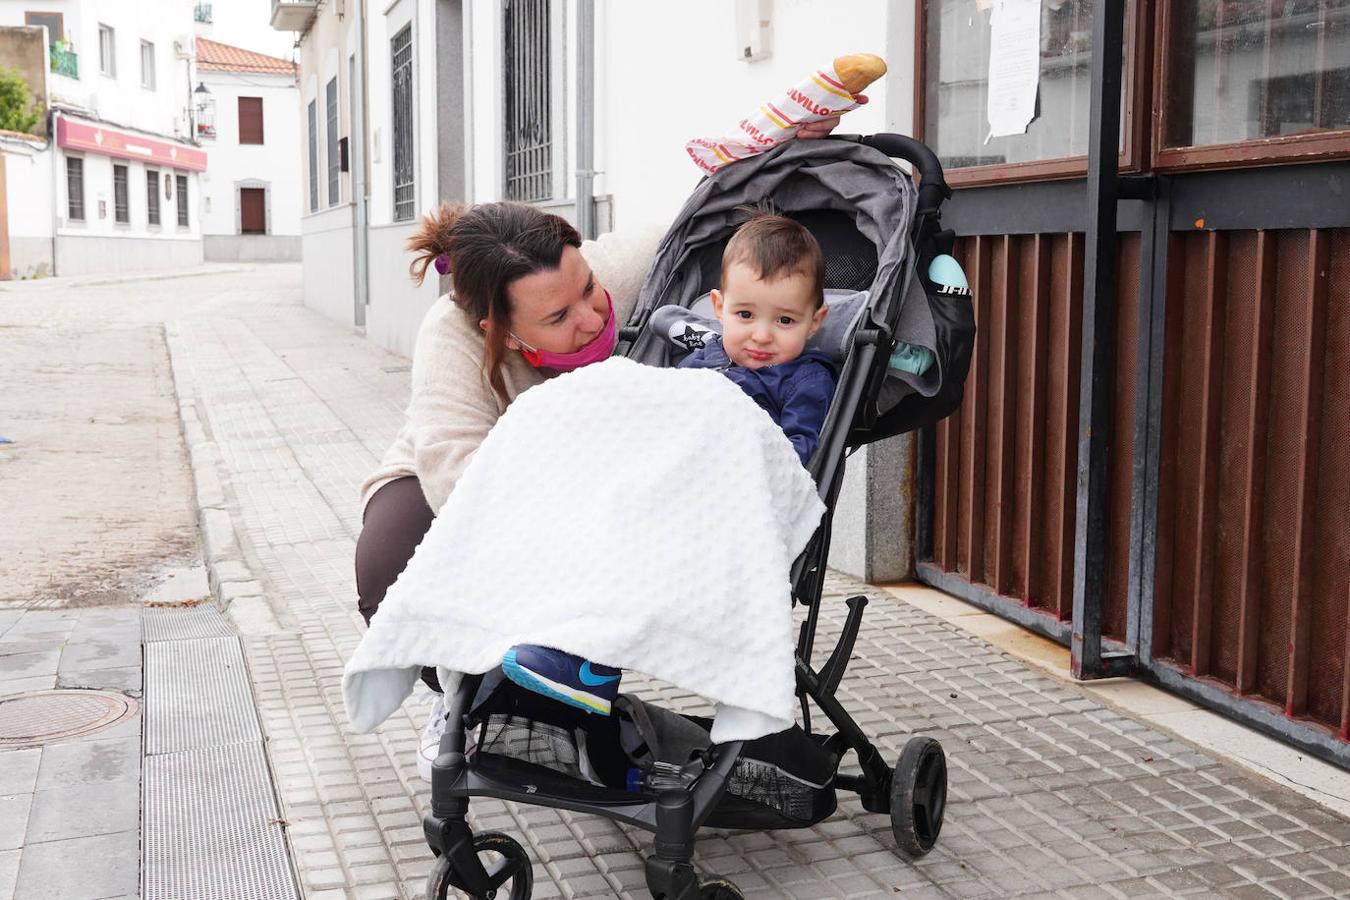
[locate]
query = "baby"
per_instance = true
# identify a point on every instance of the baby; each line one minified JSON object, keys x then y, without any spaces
{"x":771,"y":301}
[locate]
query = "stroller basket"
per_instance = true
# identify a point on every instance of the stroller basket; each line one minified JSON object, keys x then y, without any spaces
{"x":783,"y":780}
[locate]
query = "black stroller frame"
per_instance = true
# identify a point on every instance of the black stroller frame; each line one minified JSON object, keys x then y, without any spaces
{"x":675,"y":802}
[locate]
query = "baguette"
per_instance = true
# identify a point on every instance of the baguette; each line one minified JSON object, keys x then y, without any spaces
{"x":858,"y":70}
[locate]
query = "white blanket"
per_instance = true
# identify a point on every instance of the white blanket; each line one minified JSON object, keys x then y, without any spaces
{"x":640,"y":517}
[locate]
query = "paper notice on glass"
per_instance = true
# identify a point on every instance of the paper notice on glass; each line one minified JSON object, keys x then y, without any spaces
{"x":1014,"y":65}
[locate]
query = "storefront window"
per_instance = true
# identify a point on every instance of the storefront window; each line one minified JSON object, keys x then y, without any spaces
{"x":1242,"y":70}
{"x":1043,"y":50}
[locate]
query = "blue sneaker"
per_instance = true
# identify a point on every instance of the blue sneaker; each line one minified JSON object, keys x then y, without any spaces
{"x":562,"y":676}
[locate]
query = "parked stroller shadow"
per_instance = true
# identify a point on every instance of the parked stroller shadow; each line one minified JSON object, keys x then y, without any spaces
{"x":656,"y":769}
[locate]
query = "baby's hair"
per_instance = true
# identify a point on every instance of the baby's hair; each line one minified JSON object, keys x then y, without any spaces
{"x":777,"y":246}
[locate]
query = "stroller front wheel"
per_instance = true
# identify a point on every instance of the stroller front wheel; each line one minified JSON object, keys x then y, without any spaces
{"x":717,"y":888}
{"x":919,"y":795}
{"x":505,"y":861}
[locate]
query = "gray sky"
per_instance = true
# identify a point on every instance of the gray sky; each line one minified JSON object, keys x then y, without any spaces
{"x":244,"y":23}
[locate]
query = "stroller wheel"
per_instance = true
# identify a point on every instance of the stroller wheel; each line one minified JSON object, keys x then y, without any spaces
{"x":507,"y":864}
{"x":718,"y":888}
{"x":919,"y":795}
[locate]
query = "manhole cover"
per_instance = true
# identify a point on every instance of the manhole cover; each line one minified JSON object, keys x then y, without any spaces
{"x":44,"y":717}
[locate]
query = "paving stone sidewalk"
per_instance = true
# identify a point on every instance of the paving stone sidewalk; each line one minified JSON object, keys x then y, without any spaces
{"x":1053,"y":794}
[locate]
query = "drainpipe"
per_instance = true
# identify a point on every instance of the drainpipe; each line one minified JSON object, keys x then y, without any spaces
{"x":356,"y":142}
{"x":586,"y":118}
{"x":57,"y":171}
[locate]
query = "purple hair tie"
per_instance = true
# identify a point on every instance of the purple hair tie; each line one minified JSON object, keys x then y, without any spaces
{"x":442,"y":263}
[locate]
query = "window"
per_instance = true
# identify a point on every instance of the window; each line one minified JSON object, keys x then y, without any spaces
{"x":1249,"y":70}
{"x":252,"y":211}
{"x":529,"y":133}
{"x":107,"y":51}
{"x":147,"y":65}
{"x":331,"y":111}
{"x":54,"y":21}
{"x":313,"y":156}
{"x":181,"y":191}
{"x":405,"y":188}
{"x":121,"y":208}
{"x":250,"y":120}
{"x":152,"y":196}
{"x":75,"y":188}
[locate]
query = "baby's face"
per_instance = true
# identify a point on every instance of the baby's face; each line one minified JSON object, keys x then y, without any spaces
{"x":765,"y":323}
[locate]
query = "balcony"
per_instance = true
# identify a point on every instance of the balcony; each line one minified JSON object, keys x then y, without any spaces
{"x":65,"y":62}
{"x":293,"y":15}
{"x":202,"y":13}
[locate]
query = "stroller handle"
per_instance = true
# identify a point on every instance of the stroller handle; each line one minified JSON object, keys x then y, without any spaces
{"x":933,"y":188}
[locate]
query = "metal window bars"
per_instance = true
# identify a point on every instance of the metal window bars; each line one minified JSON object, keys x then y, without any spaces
{"x":121,"y":208}
{"x":529,"y":131}
{"x":405,"y":193}
{"x":331,"y":98}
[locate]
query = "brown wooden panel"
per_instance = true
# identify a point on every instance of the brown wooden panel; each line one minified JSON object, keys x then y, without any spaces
{"x":1329,"y":659}
{"x":999,"y":423}
{"x":1253,"y":564}
{"x":970,"y":515}
{"x":1121,"y":455}
{"x":1032,"y":359}
{"x":1055,"y":585}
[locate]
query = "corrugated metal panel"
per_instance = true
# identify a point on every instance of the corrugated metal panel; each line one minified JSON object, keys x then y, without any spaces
{"x":1253,"y":568}
{"x":1006,"y":463}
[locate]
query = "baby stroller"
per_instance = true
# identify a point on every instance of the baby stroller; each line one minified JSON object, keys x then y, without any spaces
{"x":654,"y":768}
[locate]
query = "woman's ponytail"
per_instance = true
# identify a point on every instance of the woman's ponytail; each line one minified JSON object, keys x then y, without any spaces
{"x":432,"y":238}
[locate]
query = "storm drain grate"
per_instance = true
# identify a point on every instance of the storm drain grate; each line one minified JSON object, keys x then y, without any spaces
{"x":45,"y":717}
{"x":197,"y":695}
{"x":212,"y":828}
{"x":185,"y":623}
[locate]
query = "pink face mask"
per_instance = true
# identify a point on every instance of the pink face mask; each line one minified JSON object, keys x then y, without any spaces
{"x":597,"y":349}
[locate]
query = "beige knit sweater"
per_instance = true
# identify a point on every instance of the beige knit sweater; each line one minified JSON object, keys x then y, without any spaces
{"x":452,"y":407}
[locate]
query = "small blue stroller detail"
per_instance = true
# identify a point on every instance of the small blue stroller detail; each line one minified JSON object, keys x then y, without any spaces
{"x":889,"y":284}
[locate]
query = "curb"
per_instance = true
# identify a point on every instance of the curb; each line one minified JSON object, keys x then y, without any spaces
{"x":98,"y":281}
{"x":235,"y":588}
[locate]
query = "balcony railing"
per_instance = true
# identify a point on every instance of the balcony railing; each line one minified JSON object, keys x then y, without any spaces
{"x":202,"y":13}
{"x":65,"y":62}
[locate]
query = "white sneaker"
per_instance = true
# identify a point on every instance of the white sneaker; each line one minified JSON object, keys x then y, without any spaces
{"x":430,"y":746}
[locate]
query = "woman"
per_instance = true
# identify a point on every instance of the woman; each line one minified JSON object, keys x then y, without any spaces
{"x":530,"y":300}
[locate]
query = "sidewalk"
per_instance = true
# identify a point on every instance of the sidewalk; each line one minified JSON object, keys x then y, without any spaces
{"x":1053,"y":792}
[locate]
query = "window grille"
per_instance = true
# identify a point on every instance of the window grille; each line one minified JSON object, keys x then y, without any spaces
{"x":401,"y":63}
{"x":529,"y":132}
{"x":334,"y":189}
{"x":75,"y":188}
{"x":152,"y":196}
{"x":107,"y":51}
{"x":121,"y":209}
{"x":181,"y":190}
{"x":313,"y":156}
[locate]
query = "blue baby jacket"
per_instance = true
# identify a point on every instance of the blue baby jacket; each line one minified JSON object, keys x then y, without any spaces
{"x":795,"y":394}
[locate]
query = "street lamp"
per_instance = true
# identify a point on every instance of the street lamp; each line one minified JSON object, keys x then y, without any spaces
{"x":205,"y":106}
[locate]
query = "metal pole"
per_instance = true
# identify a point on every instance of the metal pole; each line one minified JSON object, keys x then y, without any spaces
{"x":586,"y":118}
{"x":1097,"y":376}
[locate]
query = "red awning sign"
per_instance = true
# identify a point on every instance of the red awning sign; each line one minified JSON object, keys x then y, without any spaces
{"x":96,"y":138}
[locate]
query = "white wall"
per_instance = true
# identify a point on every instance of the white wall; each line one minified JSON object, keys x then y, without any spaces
{"x":666,"y":73}
{"x":275,"y":163}
{"x":121,"y":99}
{"x":28,"y":194}
{"x":328,"y":264}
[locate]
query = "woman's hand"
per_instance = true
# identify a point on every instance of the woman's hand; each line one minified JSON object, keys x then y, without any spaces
{"x":825,"y":126}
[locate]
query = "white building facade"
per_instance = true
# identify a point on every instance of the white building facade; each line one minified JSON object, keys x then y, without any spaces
{"x":124,"y":168}
{"x":250,"y":206}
